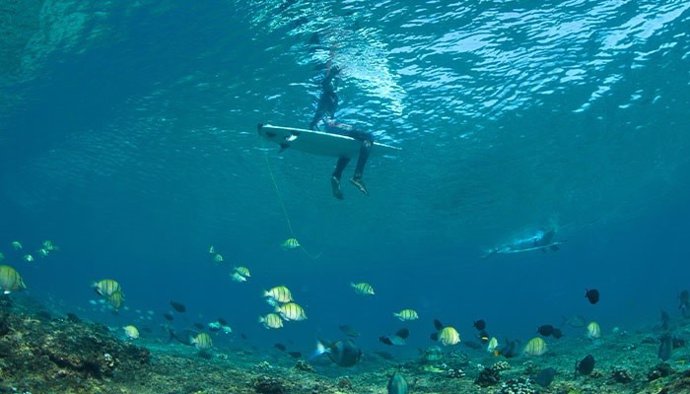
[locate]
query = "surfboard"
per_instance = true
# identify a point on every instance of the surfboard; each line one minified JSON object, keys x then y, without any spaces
{"x":553,"y":246}
{"x":319,"y":142}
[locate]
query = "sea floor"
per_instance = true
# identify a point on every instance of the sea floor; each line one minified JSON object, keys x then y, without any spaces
{"x":41,"y":352}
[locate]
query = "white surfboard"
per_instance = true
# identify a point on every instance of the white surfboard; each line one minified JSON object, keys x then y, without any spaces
{"x":320,"y":143}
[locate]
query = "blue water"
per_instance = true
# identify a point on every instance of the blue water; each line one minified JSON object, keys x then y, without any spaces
{"x":128,"y":136}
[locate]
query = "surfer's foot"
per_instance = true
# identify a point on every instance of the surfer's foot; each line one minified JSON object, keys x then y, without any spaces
{"x":335,"y":187}
{"x":357,"y":181}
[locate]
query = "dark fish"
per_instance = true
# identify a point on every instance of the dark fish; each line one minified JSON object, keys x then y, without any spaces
{"x":243,"y":335}
{"x":480,"y":325}
{"x":222,"y":321}
{"x":168,"y":316}
{"x":396,"y":340}
{"x":545,"y":377}
{"x":557,"y":333}
{"x":592,"y":295}
{"x":198,"y":326}
{"x":349,"y":331}
{"x":397,"y":384}
{"x":438,"y":325}
{"x":178,"y":307}
{"x":483,"y":336}
{"x":585,"y":366}
{"x":344,"y":353}
{"x":665,"y":347}
{"x":545,"y":330}
{"x":295,"y":354}
{"x":280,"y":347}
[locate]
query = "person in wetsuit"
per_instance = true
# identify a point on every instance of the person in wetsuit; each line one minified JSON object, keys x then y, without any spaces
{"x":325,"y":117}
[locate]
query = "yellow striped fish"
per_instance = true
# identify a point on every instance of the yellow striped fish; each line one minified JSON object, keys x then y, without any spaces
{"x":290,"y":243}
{"x":363,"y":288}
{"x":106,"y":287}
{"x":218,"y":258}
{"x":244,"y":271}
{"x":202,"y":341}
{"x":131,"y":332}
{"x":407,"y":314}
{"x":492,"y":347}
{"x":10,"y":280}
{"x":449,"y":336}
{"x":16,"y":245}
{"x":116,"y":299}
{"x":28,"y":258}
{"x":278,"y":294}
{"x":271,"y":320}
{"x":535,"y":347}
{"x":593,"y":330}
{"x":291,"y":311}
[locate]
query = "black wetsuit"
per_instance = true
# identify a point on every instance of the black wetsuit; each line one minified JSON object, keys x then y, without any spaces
{"x":328,"y":103}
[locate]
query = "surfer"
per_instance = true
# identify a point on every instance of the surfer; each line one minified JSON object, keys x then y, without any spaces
{"x":325,"y":117}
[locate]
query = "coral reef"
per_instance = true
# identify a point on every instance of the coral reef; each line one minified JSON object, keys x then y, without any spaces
{"x":621,"y":375}
{"x":41,"y":352}
{"x":660,"y":371}
{"x":517,"y":386}
{"x":487,"y":377}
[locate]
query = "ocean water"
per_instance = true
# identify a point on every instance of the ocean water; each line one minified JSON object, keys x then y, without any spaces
{"x":128,"y":136}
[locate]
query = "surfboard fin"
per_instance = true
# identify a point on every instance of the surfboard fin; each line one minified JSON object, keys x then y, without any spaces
{"x":286,"y":142}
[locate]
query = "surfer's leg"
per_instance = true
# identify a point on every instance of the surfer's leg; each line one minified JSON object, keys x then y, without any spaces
{"x":337,"y":174}
{"x":356,"y":180}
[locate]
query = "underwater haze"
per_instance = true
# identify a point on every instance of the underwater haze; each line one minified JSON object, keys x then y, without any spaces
{"x":128,"y":136}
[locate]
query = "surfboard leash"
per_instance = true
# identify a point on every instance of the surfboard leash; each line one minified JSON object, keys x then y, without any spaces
{"x":284,"y":209}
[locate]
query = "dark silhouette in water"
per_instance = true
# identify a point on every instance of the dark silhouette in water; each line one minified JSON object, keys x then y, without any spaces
{"x":586,"y":365}
{"x":480,"y":325}
{"x":399,"y":339}
{"x":178,"y":306}
{"x":665,"y":321}
{"x":548,"y":330}
{"x":545,"y":330}
{"x":592,"y":295}
{"x":545,"y":377}
{"x":684,"y":306}
{"x":665,"y":346}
